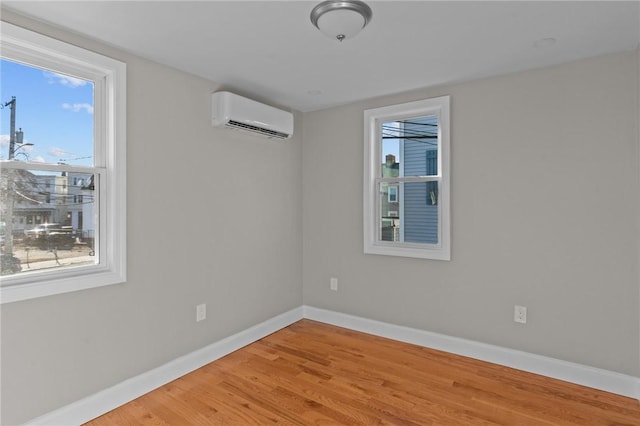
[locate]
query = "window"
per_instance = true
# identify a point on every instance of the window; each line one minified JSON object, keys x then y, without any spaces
{"x":406,"y":183}
{"x":393,"y":194}
{"x":63,"y":198}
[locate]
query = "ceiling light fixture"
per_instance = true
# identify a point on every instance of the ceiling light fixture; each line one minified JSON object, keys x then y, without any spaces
{"x":341,"y":19}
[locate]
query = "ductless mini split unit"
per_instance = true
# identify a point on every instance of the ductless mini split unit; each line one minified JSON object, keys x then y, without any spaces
{"x":236,"y":112}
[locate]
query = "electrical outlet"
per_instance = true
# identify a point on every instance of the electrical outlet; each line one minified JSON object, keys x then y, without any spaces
{"x":333,"y":285}
{"x":520,"y":314}
{"x":201,"y":312}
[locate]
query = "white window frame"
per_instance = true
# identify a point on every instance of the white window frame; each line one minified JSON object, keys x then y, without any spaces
{"x":373,"y":120}
{"x":109,"y":78}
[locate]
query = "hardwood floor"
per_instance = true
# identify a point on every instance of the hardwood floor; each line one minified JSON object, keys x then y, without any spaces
{"x":316,"y":374}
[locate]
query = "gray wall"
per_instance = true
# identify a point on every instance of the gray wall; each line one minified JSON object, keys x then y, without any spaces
{"x":214,"y":216}
{"x":544,"y":214}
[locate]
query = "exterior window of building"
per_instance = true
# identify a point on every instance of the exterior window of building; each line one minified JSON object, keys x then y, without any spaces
{"x":393,"y":194}
{"x":60,"y":235}
{"x":406,"y":190}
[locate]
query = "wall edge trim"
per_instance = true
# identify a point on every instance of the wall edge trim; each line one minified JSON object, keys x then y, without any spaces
{"x":95,"y":405}
{"x":580,"y":374}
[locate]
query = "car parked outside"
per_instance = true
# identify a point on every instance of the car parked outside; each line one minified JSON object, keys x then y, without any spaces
{"x":50,"y":236}
{"x":43,"y":229}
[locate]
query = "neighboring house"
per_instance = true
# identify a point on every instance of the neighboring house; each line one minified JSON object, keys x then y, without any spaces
{"x":40,"y":199}
{"x":419,"y":157}
{"x":31,"y":207}
{"x":78,"y":201}
{"x":390,"y":201}
{"x":86,"y":215}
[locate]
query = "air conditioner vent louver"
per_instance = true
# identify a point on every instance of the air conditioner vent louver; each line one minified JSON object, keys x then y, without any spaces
{"x":236,"y":112}
{"x":256,"y":129}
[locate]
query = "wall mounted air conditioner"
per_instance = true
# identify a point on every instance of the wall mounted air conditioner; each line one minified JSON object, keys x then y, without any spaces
{"x":236,"y":112}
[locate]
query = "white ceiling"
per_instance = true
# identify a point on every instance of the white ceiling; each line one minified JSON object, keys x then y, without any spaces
{"x":270,"y":51}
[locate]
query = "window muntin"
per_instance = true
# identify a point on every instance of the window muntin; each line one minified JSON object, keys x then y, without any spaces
{"x":407,"y":147}
{"x":101,"y":168}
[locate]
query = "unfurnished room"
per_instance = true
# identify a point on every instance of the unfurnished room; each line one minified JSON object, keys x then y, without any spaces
{"x":320,"y":212}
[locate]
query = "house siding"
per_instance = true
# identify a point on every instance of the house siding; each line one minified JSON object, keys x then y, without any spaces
{"x":420,"y":159}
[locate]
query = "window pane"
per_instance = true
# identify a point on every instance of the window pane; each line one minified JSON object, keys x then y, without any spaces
{"x":420,"y":215}
{"x":413,"y":217}
{"x":390,"y":151}
{"x":53,"y":116}
{"x":390,"y":213}
{"x":410,"y":147}
{"x":46,"y":219}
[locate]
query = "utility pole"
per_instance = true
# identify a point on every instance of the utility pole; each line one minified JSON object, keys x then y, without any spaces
{"x":12,"y":124}
{"x":8,"y":229}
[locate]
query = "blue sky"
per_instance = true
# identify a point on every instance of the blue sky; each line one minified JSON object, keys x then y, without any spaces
{"x":54,"y":111}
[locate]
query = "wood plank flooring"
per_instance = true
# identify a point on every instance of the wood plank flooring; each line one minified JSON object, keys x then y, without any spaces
{"x":316,"y":374}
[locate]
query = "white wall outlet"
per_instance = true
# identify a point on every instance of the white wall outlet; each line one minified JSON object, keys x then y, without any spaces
{"x":201,"y":312}
{"x":520,"y":314}
{"x":333,"y":284}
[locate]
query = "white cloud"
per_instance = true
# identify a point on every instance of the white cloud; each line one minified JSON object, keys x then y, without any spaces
{"x":59,"y":152}
{"x":65,"y":80}
{"x":78,"y":107}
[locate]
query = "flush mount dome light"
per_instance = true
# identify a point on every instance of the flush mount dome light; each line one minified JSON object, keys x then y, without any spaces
{"x":341,"y":19}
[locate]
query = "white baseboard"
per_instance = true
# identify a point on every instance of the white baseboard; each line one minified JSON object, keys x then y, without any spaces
{"x":597,"y":378}
{"x":104,"y":401}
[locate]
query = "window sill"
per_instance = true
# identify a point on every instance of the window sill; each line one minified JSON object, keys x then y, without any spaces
{"x":435,"y":253}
